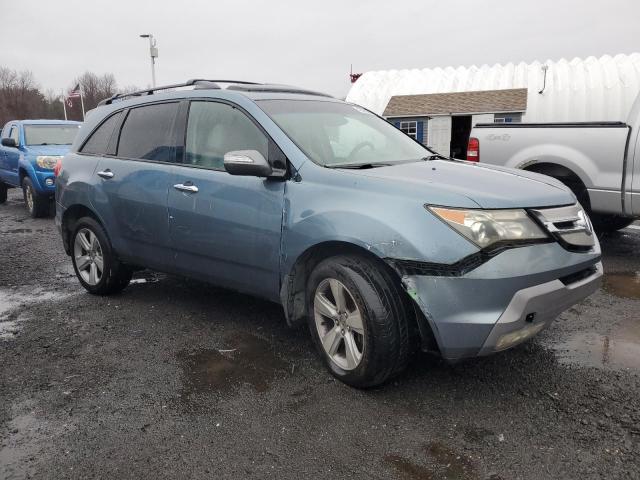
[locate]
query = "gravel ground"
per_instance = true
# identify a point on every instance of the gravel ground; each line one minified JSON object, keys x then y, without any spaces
{"x":176,"y":379}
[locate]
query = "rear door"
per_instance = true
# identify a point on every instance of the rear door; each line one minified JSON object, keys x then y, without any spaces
{"x":133,"y":182}
{"x":224,"y":228}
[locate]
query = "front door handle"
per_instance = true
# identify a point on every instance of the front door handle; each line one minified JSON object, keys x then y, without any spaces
{"x":106,"y":174}
{"x":186,"y":187}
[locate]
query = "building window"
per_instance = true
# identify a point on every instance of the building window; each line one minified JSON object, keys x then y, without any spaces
{"x":507,"y":118}
{"x":410,"y":128}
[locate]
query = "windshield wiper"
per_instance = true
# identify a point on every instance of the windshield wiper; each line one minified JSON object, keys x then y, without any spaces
{"x":359,"y":166}
{"x":436,"y":156}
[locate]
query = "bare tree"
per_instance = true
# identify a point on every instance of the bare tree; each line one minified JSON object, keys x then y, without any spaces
{"x":21,"y":96}
{"x":96,"y":88}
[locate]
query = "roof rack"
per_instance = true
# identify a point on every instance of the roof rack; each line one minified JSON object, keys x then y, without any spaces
{"x":200,"y":83}
{"x":273,"y":88}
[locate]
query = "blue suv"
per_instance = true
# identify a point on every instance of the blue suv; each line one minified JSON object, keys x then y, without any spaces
{"x":29,"y":152}
{"x":379,"y":244}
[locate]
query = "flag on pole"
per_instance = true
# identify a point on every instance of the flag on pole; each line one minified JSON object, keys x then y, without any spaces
{"x":75,"y":93}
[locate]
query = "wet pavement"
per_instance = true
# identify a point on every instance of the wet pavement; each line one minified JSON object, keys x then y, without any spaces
{"x":176,"y":379}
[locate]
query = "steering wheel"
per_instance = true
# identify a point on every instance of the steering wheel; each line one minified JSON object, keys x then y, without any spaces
{"x":359,"y":147}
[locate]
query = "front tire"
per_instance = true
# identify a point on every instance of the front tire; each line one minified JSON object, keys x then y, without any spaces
{"x":3,"y":193}
{"x":97,"y":268}
{"x":37,"y":205}
{"x":359,"y":320}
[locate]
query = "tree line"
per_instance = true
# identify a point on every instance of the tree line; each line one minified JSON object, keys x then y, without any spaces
{"x":21,"y":96}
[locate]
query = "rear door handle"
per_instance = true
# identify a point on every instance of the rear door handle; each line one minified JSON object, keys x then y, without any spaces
{"x":106,"y":174}
{"x":186,"y":187}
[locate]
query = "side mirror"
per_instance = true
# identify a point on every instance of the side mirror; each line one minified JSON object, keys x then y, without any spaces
{"x":9,"y":142}
{"x":249,"y":163}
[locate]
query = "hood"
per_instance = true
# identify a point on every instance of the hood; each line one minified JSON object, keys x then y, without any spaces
{"x":485,"y":185}
{"x":47,"y":149}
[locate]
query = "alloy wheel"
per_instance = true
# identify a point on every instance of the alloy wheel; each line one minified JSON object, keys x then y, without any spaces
{"x":87,"y":253}
{"x":339,"y":323}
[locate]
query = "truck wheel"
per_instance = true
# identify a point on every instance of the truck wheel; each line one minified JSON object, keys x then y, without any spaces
{"x":37,"y":205}
{"x":359,"y":320}
{"x":3,"y":193}
{"x":609,"y":223}
{"x":96,"y":266}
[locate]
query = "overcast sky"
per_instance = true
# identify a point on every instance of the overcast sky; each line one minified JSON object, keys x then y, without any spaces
{"x":300,"y":42}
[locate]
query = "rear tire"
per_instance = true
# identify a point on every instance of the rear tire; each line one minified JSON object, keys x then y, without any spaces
{"x":3,"y":193}
{"x":94,"y":261}
{"x":609,"y":223}
{"x":37,"y":205}
{"x":381,"y":339}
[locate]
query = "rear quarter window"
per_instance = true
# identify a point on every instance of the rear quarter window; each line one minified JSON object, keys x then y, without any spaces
{"x":98,"y":141}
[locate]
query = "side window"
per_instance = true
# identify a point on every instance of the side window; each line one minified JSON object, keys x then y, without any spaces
{"x":214,"y":129}
{"x":148,"y":133}
{"x":99,"y":139}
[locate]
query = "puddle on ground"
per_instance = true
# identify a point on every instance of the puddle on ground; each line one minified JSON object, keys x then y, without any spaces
{"x":246,"y":359}
{"x":625,"y":285}
{"x":618,"y":351}
{"x":448,"y":465}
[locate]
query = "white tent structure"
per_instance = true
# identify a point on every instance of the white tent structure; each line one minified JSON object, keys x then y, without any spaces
{"x":578,"y":90}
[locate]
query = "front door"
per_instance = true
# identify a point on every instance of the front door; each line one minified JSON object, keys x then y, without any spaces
{"x":132,"y":185}
{"x":224,"y":228}
{"x":12,"y":158}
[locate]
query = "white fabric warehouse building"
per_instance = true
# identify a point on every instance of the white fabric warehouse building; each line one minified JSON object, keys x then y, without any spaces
{"x":439,"y":106}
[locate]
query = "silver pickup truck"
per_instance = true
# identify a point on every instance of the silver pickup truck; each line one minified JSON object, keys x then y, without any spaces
{"x":599,"y":161}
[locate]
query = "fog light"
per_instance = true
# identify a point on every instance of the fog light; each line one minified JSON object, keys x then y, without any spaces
{"x":518,"y":336}
{"x":49,"y":182}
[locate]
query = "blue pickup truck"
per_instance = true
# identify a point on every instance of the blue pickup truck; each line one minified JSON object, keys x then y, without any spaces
{"x":29,"y":152}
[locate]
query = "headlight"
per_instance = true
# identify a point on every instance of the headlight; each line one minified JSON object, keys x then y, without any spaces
{"x":47,"y":162}
{"x":485,"y":227}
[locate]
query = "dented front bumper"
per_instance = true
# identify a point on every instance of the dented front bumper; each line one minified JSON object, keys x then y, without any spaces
{"x":505,"y":300}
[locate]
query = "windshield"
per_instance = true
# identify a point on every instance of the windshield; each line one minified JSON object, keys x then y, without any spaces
{"x":334,"y":134}
{"x":50,"y":134}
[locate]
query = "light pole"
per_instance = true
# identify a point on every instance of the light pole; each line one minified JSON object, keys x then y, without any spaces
{"x":153,"y":52}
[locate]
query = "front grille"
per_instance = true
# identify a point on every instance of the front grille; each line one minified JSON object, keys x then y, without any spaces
{"x":569,"y":225}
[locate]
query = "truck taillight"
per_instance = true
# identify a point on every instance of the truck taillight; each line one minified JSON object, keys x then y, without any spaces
{"x":57,"y":168}
{"x":473,"y":150}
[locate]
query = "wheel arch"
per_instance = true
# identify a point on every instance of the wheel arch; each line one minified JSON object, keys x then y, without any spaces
{"x":294,"y":284}
{"x":70,"y":216}
{"x":564,"y":174}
